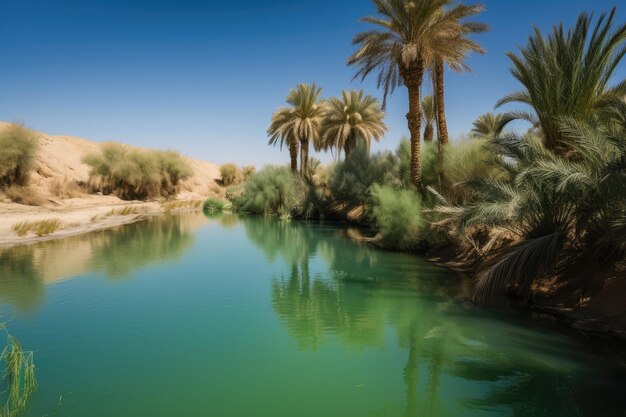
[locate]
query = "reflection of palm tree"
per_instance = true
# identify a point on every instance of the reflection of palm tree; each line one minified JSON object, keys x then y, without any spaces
{"x":411,"y":371}
{"x":354,"y":302}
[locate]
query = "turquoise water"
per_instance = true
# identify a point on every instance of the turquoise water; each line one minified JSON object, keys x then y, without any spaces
{"x":236,"y":317}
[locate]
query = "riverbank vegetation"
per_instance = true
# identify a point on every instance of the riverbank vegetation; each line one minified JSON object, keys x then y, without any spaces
{"x":134,"y":175}
{"x":527,"y":213}
{"x":17,"y":158}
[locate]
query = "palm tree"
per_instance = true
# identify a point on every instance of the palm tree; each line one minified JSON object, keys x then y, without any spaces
{"x":299,"y":123}
{"x":280,"y":131}
{"x":352,"y":119}
{"x":457,"y":51}
{"x":411,"y":35}
{"x":490,"y":126}
{"x":428,"y":115}
{"x":583,"y":62}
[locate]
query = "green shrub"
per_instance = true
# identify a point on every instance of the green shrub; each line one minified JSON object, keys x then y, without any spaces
{"x":231,"y":174}
{"x":398,"y":216}
{"x":352,"y":179}
{"x":273,"y":190}
{"x":403,"y":153}
{"x":135,"y":175}
{"x":462,"y":162}
{"x":214,"y":205}
{"x":18,"y":146}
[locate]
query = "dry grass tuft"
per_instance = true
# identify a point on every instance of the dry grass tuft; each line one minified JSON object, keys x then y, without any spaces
{"x":40,"y":227}
{"x":126,"y":211}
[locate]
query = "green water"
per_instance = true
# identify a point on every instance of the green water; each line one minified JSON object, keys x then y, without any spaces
{"x":241,"y":317}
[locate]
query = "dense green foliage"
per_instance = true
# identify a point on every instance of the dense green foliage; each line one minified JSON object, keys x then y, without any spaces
{"x":273,"y":190}
{"x":18,"y":146}
{"x":351,"y":179}
{"x":213,"y":205}
{"x":570,"y":215}
{"x":131,"y":174}
{"x":398,"y":216}
{"x":544,"y":205}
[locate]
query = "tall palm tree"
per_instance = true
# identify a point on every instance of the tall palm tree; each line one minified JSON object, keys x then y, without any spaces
{"x":351,"y":119}
{"x":428,"y":115}
{"x":459,"y":47}
{"x":490,"y":125}
{"x":280,"y":132}
{"x":583,"y":61}
{"x":410,"y":35}
{"x":299,"y":123}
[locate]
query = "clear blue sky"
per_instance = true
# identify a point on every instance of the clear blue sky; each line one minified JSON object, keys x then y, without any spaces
{"x":204,"y":76}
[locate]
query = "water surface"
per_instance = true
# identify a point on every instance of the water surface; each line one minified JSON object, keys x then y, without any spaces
{"x":236,"y":317}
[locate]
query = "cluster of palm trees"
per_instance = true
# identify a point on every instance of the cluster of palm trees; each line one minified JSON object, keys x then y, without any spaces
{"x":411,"y":39}
{"x":564,"y":195}
{"x":336,"y":124}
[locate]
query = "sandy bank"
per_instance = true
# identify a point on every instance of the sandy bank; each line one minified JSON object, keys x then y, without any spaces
{"x":81,"y":215}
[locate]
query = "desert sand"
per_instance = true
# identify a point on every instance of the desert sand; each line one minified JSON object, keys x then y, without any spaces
{"x":59,"y":159}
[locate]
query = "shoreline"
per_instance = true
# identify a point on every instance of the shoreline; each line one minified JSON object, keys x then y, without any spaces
{"x":81,"y":216}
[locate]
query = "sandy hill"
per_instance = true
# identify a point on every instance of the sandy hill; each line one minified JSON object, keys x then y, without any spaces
{"x":59,"y":158}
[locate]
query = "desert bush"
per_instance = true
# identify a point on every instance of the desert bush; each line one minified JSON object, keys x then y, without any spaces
{"x":135,"y":175}
{"x":398,"y":215}
{"x":352,"y":179}
{"x":18,"y":146}
{"x":173,"y":169}
{"x":231,"y":174}
{"x":273,"y":190}
{"x":64,"y":188}
{"x":40,"y":227}
{"x":25,"y":195}
{"x":214,"y":205}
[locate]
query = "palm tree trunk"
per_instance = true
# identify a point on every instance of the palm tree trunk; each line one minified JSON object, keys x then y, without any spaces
{"x":413,"y":81}
{"x":304,"y":155}
{"x":442,"y":126}
{"x":348,"y":146}
{"x":293,"y":154}
{"x":429,"y":132}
